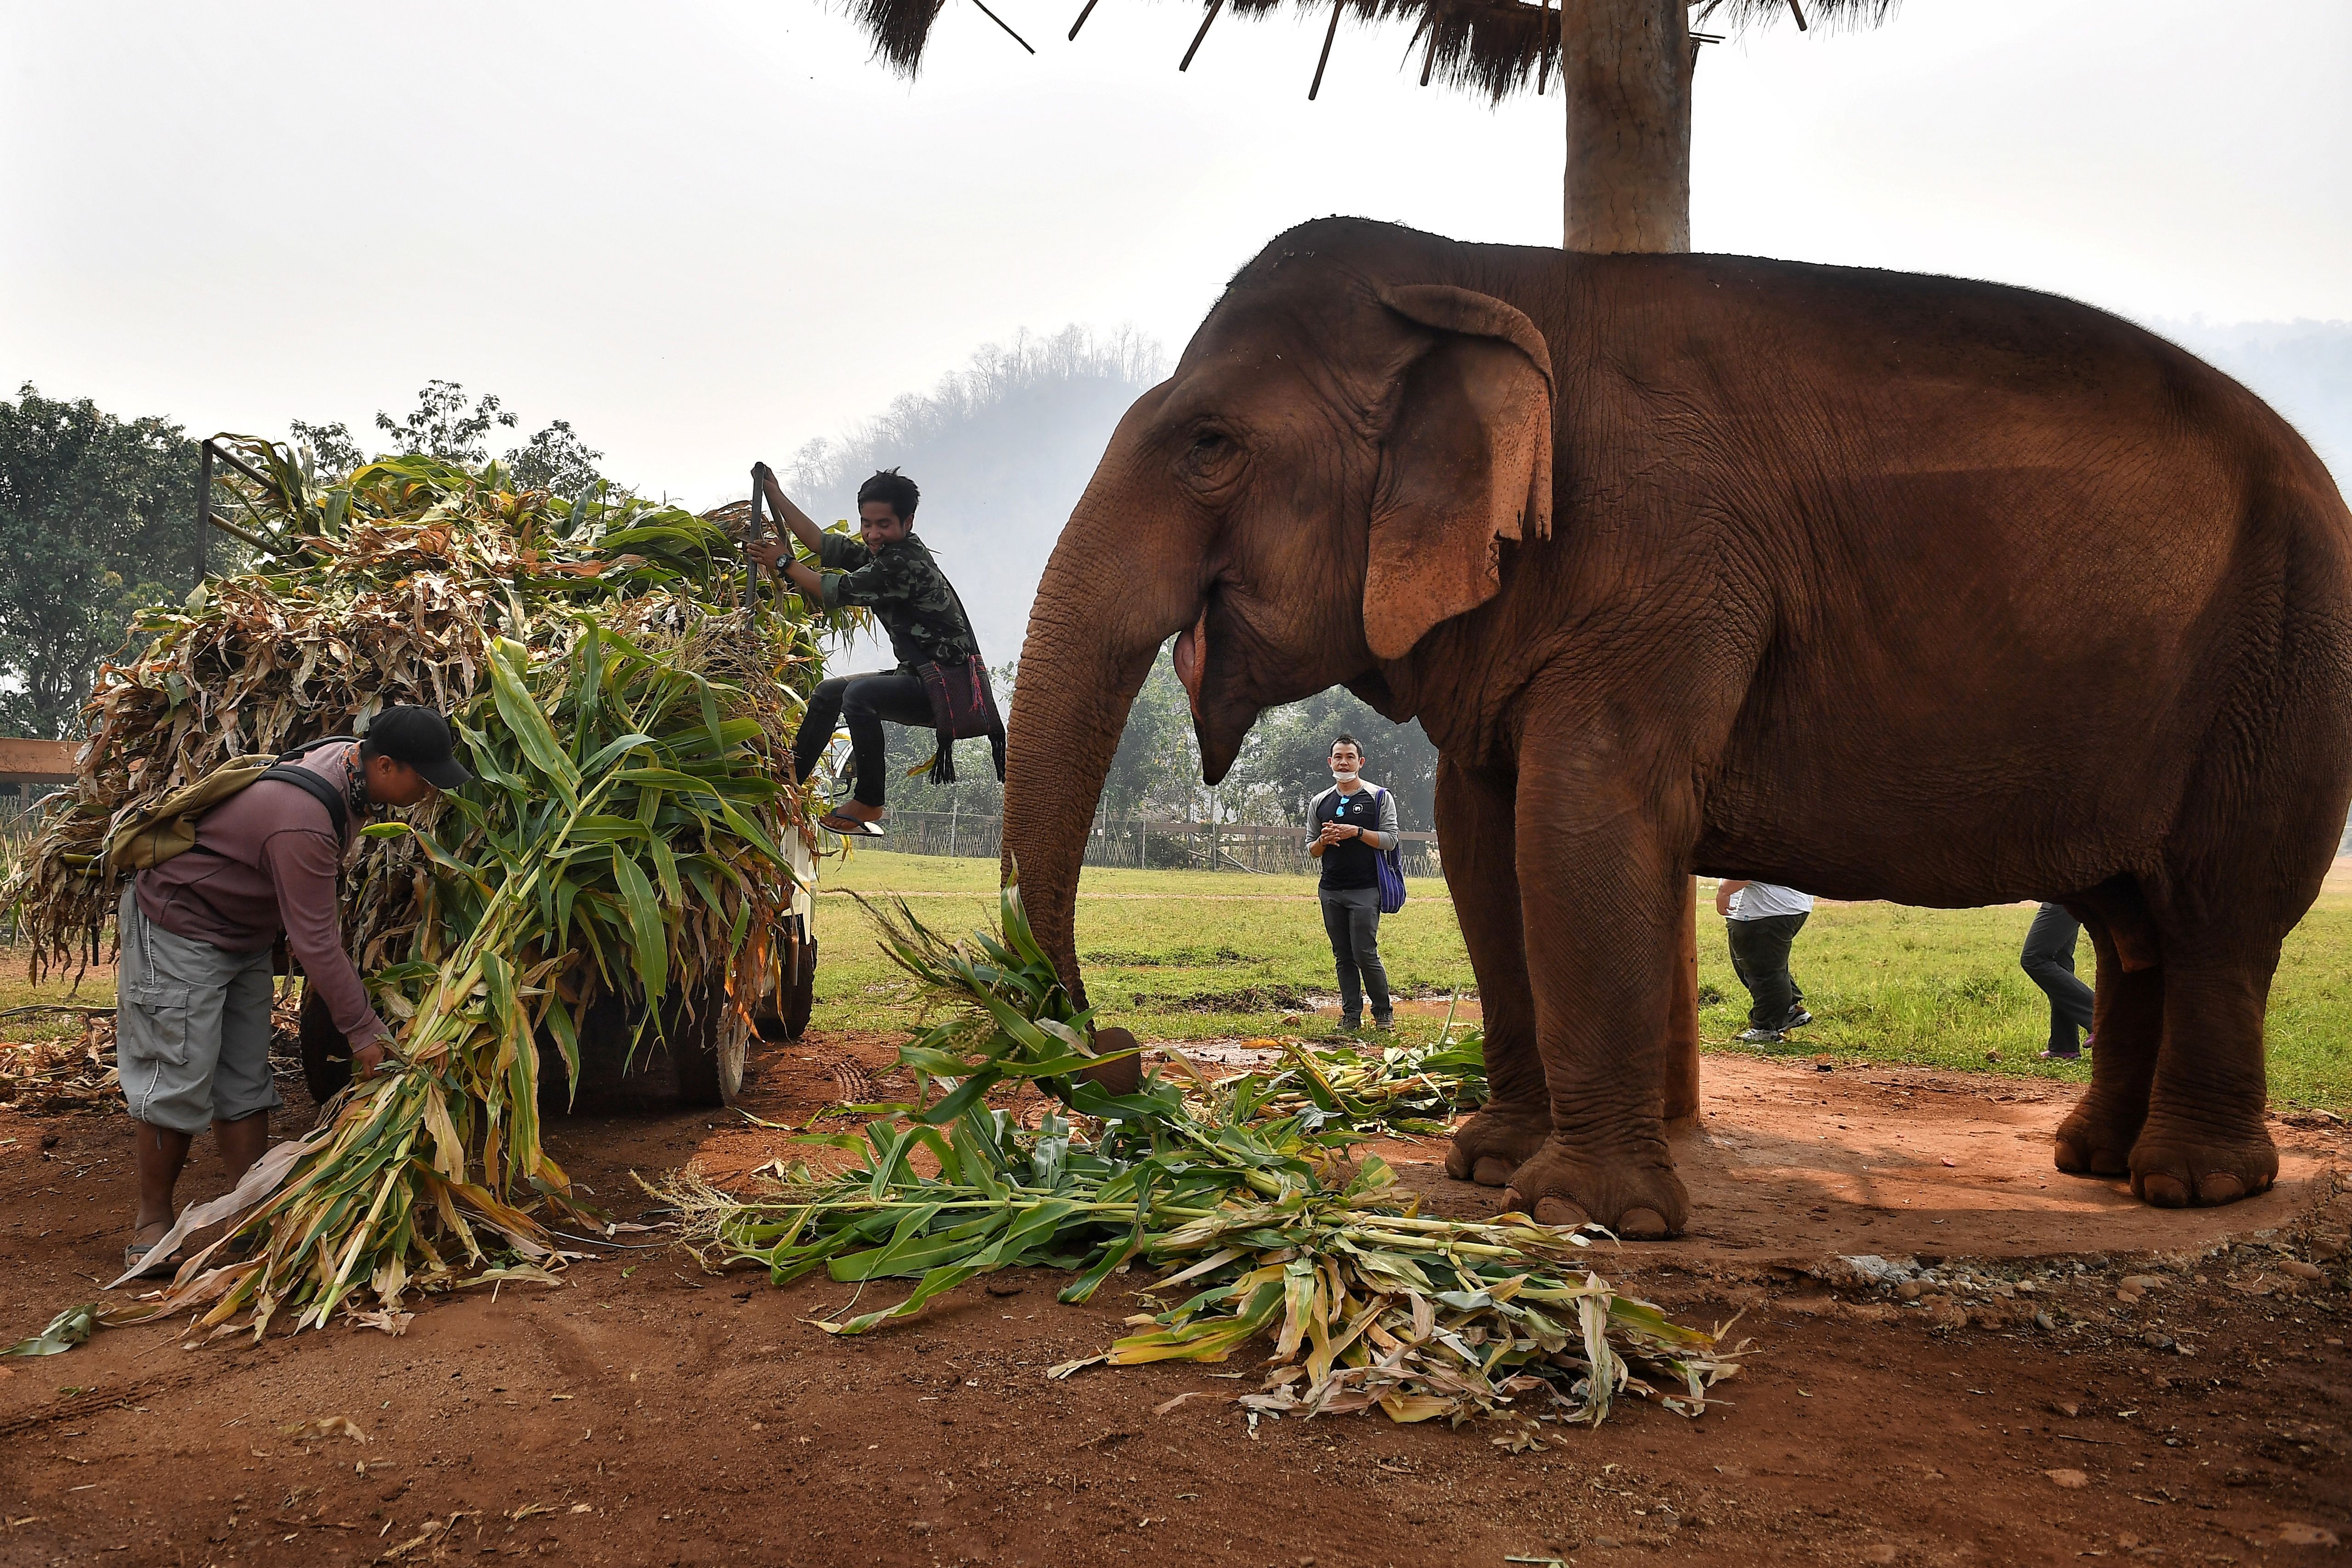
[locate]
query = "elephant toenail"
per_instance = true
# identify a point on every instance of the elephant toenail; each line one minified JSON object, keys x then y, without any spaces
{"x":1561,"y":1211}
{"x":2220,"y":1187}
{"x":1491,"y":1172}
{"x":2164,"y":1191}
{"x":1457,"y":1166}
{"x":1643,"y":1224}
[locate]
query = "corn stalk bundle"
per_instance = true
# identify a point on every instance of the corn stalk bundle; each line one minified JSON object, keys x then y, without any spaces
{"x":1399,"y":1089}
{"x":626,"y":720}
{"x":1371,"y":1303}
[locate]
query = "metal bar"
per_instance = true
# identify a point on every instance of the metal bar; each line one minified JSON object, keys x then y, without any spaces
{"x":754,"y":530}
{"x":1018,"y":37}
{"x":1543,"y":45}
{"x":1082,"y":20}
{"x":203,"y":510}
{"x":1798,"y":12}
{"x":1214,"y":6}
{"x":1429,"y":55}
{"x":233,"y":461}
{"x":237,"y":533}
{"x":1325,"y":57}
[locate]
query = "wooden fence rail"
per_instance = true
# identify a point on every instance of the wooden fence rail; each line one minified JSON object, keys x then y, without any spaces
{"x":1265,"y":848}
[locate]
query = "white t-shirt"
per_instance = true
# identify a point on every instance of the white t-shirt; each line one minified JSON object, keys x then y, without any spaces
{"x":1761,"y":900}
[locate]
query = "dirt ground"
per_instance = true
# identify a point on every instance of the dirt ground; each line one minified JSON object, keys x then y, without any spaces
{"x":2016,"y":1367}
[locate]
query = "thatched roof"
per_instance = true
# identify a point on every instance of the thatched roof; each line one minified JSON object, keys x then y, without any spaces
{"x":1494,"y":47}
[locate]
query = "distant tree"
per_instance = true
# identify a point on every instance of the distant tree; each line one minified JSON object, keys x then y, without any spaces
{"x":555,"y":459}
{"x":97,"y":520}
{"x":1287,"y":759}
{"x":448,"y":424}
{"x":337,"y":452}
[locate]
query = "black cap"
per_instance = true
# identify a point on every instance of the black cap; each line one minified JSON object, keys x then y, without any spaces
{"x":419,"y":737}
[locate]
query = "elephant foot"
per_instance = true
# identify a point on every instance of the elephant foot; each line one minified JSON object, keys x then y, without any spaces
{"x":2176,"y":1171}
{"x":1640,"y":1200}
{"x":1496,"y":1141}
{"x":2091,"y":1143}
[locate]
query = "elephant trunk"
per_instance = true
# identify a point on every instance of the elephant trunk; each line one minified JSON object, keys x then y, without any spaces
{"x":1097,"y":625}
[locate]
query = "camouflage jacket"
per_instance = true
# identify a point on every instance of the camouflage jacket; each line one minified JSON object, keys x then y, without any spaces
{"x":908,"y":593}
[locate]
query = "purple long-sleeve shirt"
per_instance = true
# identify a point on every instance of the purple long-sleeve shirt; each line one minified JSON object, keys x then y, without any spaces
{"x":264,"y":863}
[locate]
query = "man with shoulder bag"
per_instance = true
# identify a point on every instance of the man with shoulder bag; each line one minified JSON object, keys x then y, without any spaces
{"x":940,"y":679}
{"x":225,"y":867}
{"x":1356,"y":839}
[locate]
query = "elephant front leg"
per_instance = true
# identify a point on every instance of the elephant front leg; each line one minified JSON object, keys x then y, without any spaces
{"x":1601,"y":899}
{"x":1478,"y":841}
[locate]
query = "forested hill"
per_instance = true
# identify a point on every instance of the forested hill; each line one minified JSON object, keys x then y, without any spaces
{"x":1002,"y":449}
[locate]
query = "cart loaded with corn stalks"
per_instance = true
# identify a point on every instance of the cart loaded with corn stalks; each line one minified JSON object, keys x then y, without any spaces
{"x":604,"y":913}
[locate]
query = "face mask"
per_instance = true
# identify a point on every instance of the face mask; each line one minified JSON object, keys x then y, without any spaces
{"x":1345,"y":776}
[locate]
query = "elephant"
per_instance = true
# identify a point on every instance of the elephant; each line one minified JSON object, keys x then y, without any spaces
{"x":1882,"y":585}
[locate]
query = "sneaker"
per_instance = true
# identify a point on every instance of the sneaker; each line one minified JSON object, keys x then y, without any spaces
{"x":1351,"y":1027}
{"x":1761,"y":1036}
{"x":1796,"y":1019}
{"x":2061,"y":1056}
{"x":1385,"y":1025}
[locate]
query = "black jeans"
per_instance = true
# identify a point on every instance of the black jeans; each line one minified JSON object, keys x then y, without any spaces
{"x":1351,"y":918}
{"x":2049,"y":961}
{"x":1759,"y":956}
{"x":865,"y":700}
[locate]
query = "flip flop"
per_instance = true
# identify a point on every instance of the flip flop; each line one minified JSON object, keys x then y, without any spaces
{"x":138,"y":1262}
{"x":850,"y":827}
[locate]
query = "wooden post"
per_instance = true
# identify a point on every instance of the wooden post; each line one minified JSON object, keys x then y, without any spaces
{"x":1626,"y":69}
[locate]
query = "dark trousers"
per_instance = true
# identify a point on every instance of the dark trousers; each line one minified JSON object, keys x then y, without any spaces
{"x":1351,"y":918}
{"x":865,"y":700}
{"x":1759,"y":956}
{"x":2049,"y":961}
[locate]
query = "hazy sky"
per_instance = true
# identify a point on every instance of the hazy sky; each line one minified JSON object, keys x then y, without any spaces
{"x":703,"y":232}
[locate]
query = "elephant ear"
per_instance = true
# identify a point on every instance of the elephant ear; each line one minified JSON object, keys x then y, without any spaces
{"x":1465,"y":460}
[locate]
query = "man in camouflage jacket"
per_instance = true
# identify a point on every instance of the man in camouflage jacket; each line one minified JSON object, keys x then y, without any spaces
{"x":890,"y":572}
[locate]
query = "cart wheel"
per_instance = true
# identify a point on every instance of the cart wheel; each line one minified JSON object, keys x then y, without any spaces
{"x":326,"y":1056}
{"x":799,"y":998}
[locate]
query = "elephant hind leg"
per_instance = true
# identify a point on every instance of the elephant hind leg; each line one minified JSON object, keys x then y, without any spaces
{"x":2127,"y":1028}
{"x":1477,"y":834}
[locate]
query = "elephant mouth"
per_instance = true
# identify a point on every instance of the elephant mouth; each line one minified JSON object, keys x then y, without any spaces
{"x":1192,"y":657}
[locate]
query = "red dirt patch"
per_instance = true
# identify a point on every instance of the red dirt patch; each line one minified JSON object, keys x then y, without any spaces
{"x":646,"y":1413}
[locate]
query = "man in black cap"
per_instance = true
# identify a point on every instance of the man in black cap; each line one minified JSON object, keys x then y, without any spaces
{"x":192,"y":1024}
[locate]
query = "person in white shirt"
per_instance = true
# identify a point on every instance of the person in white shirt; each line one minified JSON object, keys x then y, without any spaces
{"x":1764,"y":919}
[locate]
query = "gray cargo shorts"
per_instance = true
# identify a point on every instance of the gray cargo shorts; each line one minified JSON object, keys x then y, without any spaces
{"x":191,"y":1026}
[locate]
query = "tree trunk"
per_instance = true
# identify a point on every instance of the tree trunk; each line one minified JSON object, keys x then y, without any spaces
{"x":1626,"y":66}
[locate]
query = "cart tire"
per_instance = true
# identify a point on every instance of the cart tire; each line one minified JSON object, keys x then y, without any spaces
{"x":799,"y":996}
{"x":326,"y":1056}
{"x":699,"y":1065}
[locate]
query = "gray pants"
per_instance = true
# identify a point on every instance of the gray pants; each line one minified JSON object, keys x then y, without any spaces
{"x":1351,"y":918}
{"x":191,"y":1027}
{"x":2049,"y":961}
{"x":1759,"y":957}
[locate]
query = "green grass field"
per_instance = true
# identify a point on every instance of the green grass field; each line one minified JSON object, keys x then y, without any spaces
{"x":1186,"y":955}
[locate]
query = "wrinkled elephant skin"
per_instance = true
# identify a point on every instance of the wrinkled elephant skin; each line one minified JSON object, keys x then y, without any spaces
{"x":1883,"y":586}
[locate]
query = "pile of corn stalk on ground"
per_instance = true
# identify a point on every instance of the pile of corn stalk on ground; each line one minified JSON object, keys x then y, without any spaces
{"x":1257,"y":1219}
{"x":627,"y":716}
